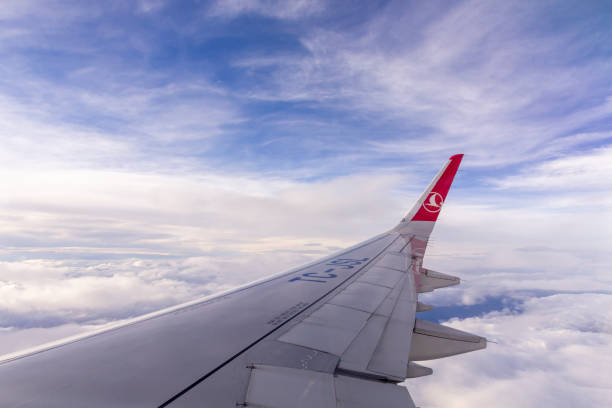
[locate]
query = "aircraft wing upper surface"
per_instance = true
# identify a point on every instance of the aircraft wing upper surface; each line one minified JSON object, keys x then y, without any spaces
{"x":340,"y":332}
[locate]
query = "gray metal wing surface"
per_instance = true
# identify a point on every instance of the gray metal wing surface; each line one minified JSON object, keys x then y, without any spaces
{"x":340,"y":332}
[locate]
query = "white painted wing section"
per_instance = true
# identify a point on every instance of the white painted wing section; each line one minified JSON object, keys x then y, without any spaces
{"x":394,"y":260}
{"x":362,"y":296}
{"x":369,"y":323}
{"x":357,"y":357}
{"x":331,"y":329}
{"x":282,"y":387}
{"x":381,"y":276}
{"x":393,"y":350}
{"x":361,"y":350}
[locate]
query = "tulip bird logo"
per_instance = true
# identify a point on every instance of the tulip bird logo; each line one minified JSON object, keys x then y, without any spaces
{"x":434,"y":202}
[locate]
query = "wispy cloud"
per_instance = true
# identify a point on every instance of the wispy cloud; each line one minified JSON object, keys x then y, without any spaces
{"x":578,"y":172}
{"x":480,"y":77}
{"x":293,"y":9}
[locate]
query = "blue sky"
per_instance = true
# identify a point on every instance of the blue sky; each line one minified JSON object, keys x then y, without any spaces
{"x":157,"y":151}
{"x":315,"y":88}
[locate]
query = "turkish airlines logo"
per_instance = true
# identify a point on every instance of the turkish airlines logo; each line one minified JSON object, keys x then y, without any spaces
{"x":434,"y":202}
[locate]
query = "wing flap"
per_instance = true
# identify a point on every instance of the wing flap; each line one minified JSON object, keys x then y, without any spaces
{"x":361,"y":296}
{"x":432,"y":341}
{"x":359,"y":354}
{"x":392,"y":352}
{"x":430,"y":280}
{"x":331,"y":329}
{"x":282,"y":387}
{"x":381,"y":276}
{"x":394,"y":260}
{"x":358,"y":393}
{"x":368,"y":322}
{"x":415,"y":370}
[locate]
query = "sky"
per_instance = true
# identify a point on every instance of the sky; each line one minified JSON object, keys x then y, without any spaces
{"x":157,"y":151}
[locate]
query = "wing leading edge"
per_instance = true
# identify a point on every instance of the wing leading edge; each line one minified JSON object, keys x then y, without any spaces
{"x":340,"y":332}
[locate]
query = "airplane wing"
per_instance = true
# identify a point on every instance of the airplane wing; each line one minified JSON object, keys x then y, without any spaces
{"x":339,"y":332}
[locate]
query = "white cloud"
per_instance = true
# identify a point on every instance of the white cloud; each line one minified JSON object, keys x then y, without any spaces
{"x":43,"y":293}
{"x":555,"y":353}
{"x":28,"y":141}
{"x":587,"y":171}
{"x":138,"y":127}
{"x":150,"y":6}
{"x":259,"y":206}
{"x":98,"y":106}
{"x":10,"y":10}
{"x":289,"y":9}
{"x":500,"y":250}
{"x":94,"y":245}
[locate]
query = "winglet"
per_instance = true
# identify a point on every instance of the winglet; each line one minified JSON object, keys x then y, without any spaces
{"x":430,"y":203}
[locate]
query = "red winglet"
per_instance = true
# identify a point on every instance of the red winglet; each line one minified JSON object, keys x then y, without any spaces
{"x":431,"y":206}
